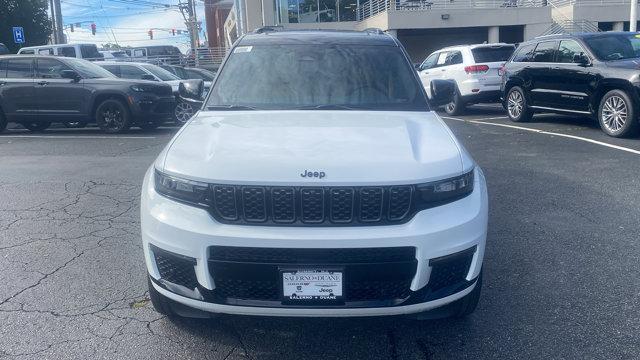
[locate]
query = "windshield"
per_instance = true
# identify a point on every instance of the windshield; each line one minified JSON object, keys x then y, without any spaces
{"x":614,"y":46}
{"x":87,"y":69}
{"x":161,"y":73}
{"x":307,"y":76}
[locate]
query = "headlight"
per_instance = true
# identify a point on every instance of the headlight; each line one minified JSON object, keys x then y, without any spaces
{"x":444,"y":191}
{"x":187,"y":191}
{"x":140,"y":88}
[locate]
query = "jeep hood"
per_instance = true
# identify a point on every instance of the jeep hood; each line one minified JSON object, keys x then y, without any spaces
{"x":350,"y":147}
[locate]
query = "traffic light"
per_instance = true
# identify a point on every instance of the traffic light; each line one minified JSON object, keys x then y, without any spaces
{"x":150,"y":34}
{"x":71,"y":27}
{"x":173,"y":31}
{"x":93,"y":29}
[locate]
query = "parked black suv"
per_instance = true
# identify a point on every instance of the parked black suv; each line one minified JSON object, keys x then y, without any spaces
{"x":38,"y":90}
{"x":596,"y":74}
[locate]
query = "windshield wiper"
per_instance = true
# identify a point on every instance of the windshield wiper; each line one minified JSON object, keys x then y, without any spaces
{"x":230,"y":107}
{"x":326,"y":107}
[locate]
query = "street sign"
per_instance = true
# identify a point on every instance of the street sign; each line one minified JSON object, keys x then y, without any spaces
{"x":18,"y":35}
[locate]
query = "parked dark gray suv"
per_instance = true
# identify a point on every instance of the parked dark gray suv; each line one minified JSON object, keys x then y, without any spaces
{"x":38,"y":90}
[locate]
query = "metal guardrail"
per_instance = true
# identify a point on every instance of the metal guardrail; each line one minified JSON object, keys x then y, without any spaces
{"x":206,"y":57}
{"x":590,"y":2}
{"x":572,"y":27}
{"x":371,"y":8}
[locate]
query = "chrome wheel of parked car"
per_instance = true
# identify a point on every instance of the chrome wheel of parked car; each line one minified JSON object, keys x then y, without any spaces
{"x":515,"y":104}
{"x":183,"y":112}
{"x":614,"y":113}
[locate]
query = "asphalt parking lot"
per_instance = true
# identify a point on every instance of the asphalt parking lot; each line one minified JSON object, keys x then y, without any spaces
{"x":561,"y":276}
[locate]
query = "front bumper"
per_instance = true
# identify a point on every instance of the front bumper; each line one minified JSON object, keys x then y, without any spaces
{"x":435,"y":234}
{"x":149,"y":106}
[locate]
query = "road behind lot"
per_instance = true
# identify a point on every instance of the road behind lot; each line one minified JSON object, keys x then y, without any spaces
{"x":561,"y":272}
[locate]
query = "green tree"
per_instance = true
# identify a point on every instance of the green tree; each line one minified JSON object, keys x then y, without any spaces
{"x":31,"y":15}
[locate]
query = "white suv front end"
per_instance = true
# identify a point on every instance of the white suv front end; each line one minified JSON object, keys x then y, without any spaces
{"x":314,"y":213}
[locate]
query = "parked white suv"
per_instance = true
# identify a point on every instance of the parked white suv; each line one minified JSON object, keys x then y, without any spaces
{"x":474,"y":68}
{"x":337,"y":195}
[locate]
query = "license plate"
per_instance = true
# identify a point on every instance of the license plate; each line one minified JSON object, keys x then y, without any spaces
{"x":312,"y":285}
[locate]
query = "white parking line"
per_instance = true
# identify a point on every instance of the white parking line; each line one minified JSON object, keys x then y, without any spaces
{"x":73,"y":137}
{"x":538,"y":131}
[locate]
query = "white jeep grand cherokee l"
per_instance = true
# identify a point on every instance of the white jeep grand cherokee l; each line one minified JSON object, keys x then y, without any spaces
{"x":315,"y":181}
{"x":476,"y":70}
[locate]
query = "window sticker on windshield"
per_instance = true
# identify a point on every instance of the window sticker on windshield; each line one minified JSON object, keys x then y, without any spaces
{"x":243,"y":49}
{"x":442,"y":58}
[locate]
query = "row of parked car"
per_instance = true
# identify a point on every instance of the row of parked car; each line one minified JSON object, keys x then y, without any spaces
{"x":591,"y":74}
{"x":38,"y":90}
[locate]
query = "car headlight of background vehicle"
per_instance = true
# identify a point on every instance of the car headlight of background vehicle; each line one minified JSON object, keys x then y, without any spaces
{"x":187,"y":191}
{"x":140,"y":88}
{"x":444,"y":191}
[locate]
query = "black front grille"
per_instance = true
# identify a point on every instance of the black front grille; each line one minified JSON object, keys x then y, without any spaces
{"x":370,"y":274}
{"x":165,"y":107}
{"x":175,"y":268}
{"x":312,"y":206}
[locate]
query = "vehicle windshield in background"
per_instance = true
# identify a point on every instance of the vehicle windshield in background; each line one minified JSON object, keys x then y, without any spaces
{"x":90,"y":52}
{"x":163,"y":50}
{"x":309,"y":76}
{"x":119,"y":54}
{"x":200,"y":74}
{"x":614,"y":46}
{"x":88,"y":70}
{"x":161,"y":73}
{"x":488,"y":54}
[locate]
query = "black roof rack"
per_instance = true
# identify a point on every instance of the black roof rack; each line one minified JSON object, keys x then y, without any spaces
{"x":265,"y":29}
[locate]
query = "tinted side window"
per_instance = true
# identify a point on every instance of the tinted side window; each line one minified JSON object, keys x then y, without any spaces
{"x":50,"y":68}
{"x":114,"y":69}
{"x":27,"y":52}
{"x":45,"y":51}
{"x":545,"y":52}
{"x":568,"y":50}
{"x":453,"y":58}
{"x":67,"y":52}
{"x":429,"y":62}
{"x":131,"y":72}
{"x":19,"y":68}
{"x":524,"y":53}
{"x":89,"y":52}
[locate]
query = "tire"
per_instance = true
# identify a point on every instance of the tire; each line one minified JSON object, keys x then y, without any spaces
{"x":113,"y":117}
{"x":74,"y":124}
{"x":456,"y":107}
{"x":36,"y":126}
{"x":3,"y":121}
{"x":517,"y":108}
{"x":149,"y":124}
{"x":617,"y":115}
{"x":183,"y":112}
{"x":467,"y":305}
{"x":160,"y":303}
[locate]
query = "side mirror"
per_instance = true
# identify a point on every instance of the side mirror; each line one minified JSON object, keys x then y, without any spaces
{"x":581,"y":59}
{"x":417,"y":66}
{"x":192,"y":90}
{"x":70,"y":74}
{"x":148,"y":77}
{"x":442,"y":92}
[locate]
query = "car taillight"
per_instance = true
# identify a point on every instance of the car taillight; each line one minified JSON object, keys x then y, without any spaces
{"x":476,"y":69}
{"x":501,"y":70}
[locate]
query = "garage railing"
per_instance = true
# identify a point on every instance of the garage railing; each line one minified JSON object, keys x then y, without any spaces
{"x":206,"y":57}
{"x":589,"y":2}
{"x":373,"y":7}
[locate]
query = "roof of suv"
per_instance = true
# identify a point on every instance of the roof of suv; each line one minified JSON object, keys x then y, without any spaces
{"x":577,"y":35}
{"x":317,"y":37}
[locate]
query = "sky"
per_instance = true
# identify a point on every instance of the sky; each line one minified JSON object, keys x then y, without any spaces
{"x":127,"y":22}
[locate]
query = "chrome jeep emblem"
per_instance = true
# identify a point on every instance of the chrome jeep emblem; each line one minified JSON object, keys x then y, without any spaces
{"x":313,"y":174}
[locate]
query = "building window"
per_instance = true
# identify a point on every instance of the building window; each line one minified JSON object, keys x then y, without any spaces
{"x":313,"y":11}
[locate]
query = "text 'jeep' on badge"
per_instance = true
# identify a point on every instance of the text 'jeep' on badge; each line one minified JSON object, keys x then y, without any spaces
{"x":313,"y":174}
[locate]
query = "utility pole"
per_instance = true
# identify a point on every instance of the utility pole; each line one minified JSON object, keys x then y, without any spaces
{"x":54,"y":32}
{"x":188,"y":11}
{"x":633,"y":18}
{"x":59,"y":26}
